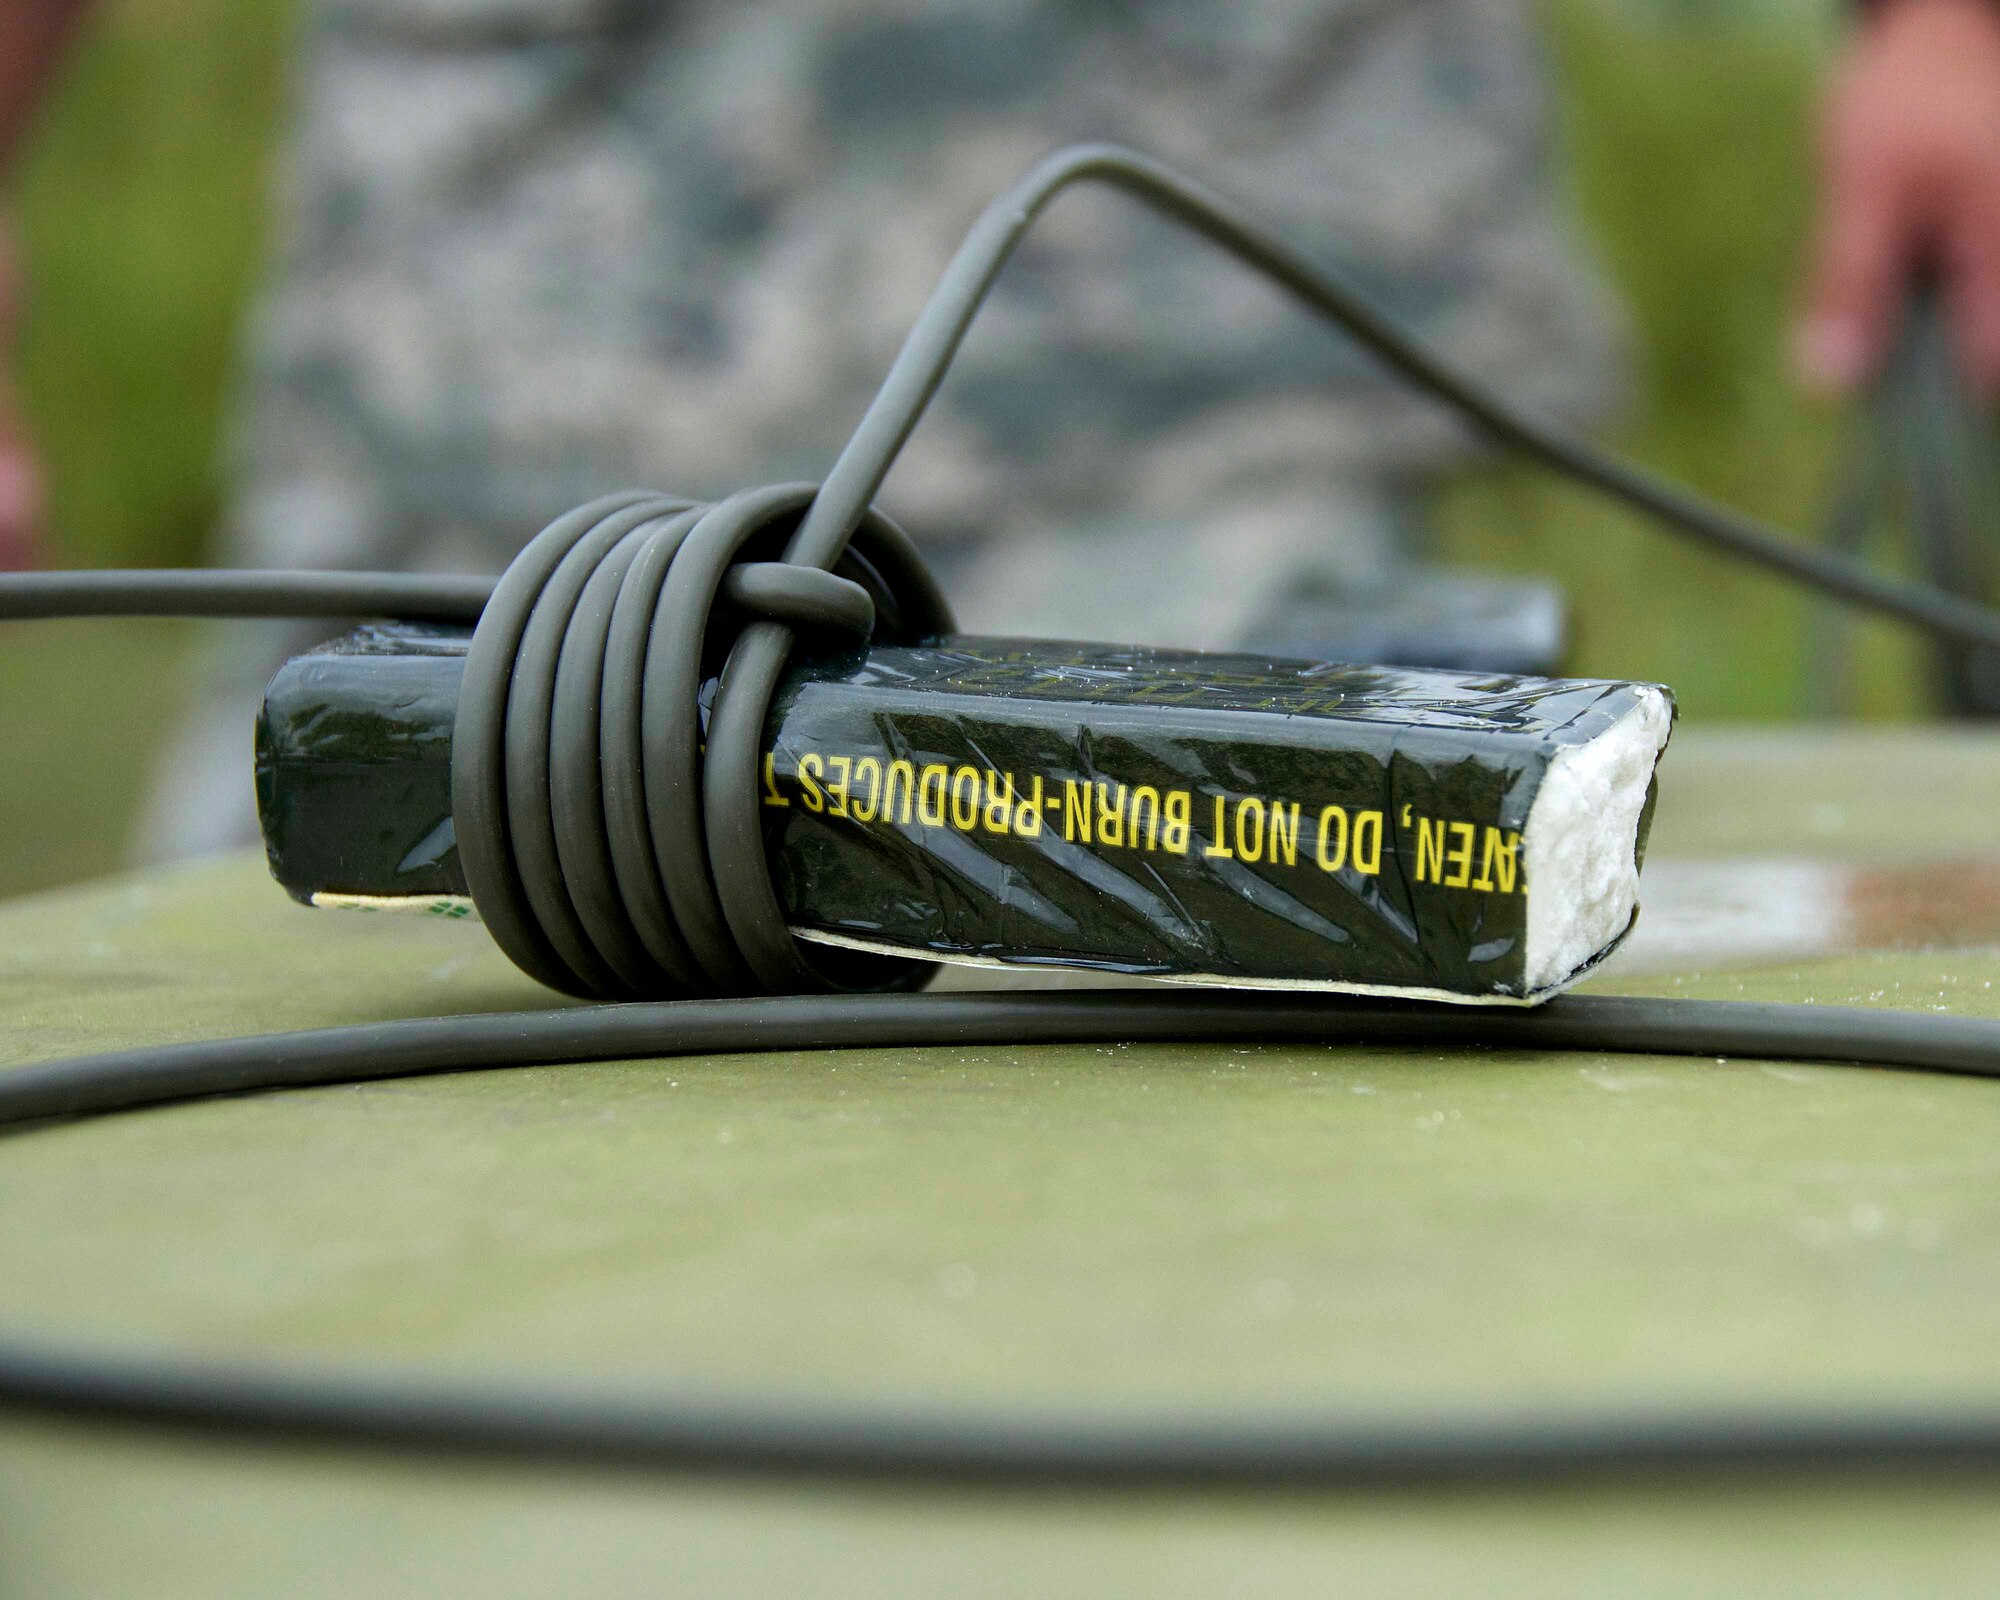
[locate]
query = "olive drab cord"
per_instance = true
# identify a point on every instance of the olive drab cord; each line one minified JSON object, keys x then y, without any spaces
{"x":613,"y":847}
{"x":1918,"y":460}
{"x":607,"y":854}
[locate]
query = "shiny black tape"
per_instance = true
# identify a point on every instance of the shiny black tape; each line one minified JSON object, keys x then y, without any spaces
{"x":1024,"y":802}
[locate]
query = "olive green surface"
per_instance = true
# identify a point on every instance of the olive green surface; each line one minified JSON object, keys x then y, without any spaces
{"x":1053,"y":1228}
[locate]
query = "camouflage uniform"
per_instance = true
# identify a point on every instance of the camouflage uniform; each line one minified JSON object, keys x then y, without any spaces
{"x":536,"y":249}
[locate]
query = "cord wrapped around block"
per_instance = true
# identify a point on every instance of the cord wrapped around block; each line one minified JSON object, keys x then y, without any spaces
{"x":611,"y":842}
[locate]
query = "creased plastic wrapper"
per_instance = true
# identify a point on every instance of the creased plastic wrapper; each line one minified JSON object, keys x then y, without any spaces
{"x":1194,"y":817}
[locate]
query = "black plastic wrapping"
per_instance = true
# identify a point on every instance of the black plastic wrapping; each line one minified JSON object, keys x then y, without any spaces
{"x":1032,"y":803}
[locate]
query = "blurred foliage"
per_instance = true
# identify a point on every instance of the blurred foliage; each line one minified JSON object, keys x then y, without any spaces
{"x":140,"y":208}
{"x":1687,"y":135}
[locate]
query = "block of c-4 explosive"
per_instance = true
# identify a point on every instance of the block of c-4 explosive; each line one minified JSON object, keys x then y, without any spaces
{"x":1028,"y":803}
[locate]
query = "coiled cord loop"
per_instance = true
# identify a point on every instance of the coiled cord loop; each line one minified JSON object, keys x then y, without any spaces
{"x":584,"y":793}
{"x":612,"y":851}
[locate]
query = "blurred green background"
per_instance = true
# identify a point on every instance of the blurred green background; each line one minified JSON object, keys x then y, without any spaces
{"x":139,"y":210}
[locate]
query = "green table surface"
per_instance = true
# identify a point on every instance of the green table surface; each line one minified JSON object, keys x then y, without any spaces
{"x":1047,"y":1228}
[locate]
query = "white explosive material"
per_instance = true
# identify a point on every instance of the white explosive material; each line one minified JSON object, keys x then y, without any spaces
{"x":1581,"y":842}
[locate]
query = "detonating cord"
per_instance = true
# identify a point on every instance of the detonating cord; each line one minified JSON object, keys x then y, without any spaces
{"x":612,"y":845}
